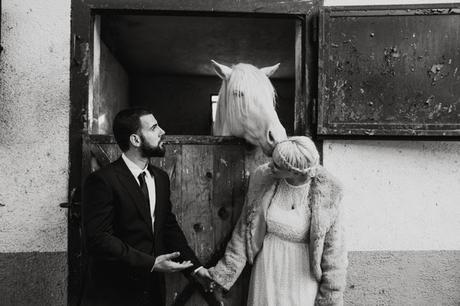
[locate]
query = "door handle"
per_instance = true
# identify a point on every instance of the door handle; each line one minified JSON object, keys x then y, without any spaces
{"x":72,"y":200}
{"x":74,"y":205}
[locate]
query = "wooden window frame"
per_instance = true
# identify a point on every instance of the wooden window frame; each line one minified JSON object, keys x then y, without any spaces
{"x":303,"y":104}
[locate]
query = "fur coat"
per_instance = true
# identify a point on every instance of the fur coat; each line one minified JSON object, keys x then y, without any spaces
{"x":326,"y":242}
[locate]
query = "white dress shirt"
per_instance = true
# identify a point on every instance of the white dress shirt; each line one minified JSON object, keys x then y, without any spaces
{"x":149,"y":181}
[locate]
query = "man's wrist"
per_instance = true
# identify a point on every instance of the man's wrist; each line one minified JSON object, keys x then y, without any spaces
{"x":153,"y":266}
{"x":197,"y":269}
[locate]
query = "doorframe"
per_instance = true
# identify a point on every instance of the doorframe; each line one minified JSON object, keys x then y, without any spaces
{"x":82,"y":13}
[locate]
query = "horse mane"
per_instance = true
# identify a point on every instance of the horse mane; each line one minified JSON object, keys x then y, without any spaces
{"x":236,"y":96}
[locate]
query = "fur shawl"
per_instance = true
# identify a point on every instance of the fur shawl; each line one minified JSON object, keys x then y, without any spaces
{"x":326,"y":244}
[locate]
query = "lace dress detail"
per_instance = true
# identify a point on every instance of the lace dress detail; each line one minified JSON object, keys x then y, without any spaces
{"x":281,"y":274}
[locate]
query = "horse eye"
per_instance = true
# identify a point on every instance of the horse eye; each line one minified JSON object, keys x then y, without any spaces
{"x":238,"y":93}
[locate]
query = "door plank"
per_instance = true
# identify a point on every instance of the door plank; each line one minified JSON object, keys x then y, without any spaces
{"x":228,"y":198}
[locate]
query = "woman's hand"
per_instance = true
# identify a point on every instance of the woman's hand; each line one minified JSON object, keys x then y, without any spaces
{"x":205,"y":279}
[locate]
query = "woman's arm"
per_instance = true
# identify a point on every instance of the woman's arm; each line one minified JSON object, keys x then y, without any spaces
{"x":229,"y":268}
{"x":334,"y":264}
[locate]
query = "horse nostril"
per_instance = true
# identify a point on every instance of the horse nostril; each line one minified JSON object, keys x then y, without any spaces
{"x":270,"y":137}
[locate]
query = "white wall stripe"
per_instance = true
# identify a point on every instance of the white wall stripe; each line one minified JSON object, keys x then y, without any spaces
{"x":400,"y":195}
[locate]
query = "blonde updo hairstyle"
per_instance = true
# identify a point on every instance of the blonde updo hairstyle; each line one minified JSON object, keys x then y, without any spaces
{"x":298,"y":154}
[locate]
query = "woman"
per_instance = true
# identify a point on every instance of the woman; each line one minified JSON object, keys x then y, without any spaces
{"x":291,"y":230}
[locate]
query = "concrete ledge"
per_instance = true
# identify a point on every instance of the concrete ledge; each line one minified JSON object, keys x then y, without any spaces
{"x":33,"y":278}
{"x":403,"y":278}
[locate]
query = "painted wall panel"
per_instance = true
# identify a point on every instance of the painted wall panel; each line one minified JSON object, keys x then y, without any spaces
{"x":33,"y":278}
{"x":414,"y":278}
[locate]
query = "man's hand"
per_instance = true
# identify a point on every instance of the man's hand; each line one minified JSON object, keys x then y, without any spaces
{"x":164,"y":263}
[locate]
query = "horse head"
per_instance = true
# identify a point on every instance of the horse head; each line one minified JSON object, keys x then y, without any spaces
{"x":246,"y":106}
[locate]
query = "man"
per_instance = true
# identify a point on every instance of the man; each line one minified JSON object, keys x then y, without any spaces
{"x":131,"y":235}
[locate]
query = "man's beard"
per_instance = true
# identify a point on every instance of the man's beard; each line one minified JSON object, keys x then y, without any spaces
{"x":149,"y":151}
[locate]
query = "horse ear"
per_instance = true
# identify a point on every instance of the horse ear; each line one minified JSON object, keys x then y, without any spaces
{"x":269,"y":71}
{"x":222,"y":71}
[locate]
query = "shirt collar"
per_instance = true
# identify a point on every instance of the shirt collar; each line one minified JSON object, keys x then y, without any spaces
{"x":133,"y":168}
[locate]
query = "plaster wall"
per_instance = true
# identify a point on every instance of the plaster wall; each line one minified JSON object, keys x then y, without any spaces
{"x":34,"y":122}
{"x":402,"y":213}
{"x":400,"y":195}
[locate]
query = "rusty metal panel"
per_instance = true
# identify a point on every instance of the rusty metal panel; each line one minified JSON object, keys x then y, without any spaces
{"x":389,"y":72}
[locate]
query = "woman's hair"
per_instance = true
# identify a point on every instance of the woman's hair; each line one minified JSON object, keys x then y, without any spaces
{"x":297,"y":154}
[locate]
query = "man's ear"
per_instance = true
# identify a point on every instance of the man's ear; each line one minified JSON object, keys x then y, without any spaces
{"x":135,"y":140}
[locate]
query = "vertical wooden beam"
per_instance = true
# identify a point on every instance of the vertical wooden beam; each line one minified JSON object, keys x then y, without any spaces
{"x":80,"y":21}
{"x":299,"y":106}
{"x":196,"y":206}
{"x":172,"y":164}
{"x":94,"y":77}
{"x":228,"y":199}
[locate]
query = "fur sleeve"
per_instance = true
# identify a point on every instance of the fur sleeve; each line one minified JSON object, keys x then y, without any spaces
{"x":334,"y":264}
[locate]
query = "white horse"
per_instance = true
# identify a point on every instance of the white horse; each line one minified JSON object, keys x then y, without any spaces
{"x":246,"y":106}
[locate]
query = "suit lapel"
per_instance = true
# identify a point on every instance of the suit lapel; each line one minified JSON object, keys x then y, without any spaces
{"x":132,"y":188}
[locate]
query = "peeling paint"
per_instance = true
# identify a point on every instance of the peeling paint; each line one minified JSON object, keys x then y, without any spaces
{"x":224,"y":162}
{"x":84,"y":49}
{"x":388,"y":86}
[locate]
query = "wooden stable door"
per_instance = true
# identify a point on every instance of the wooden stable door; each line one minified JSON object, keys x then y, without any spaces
{"x":208,"y":174}
{"x":208,"y":180}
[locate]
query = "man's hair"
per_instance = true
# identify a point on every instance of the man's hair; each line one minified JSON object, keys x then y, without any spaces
{"x":126,"y":123}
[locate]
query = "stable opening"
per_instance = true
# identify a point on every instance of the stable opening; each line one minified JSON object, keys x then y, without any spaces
{"x":162,"y":63}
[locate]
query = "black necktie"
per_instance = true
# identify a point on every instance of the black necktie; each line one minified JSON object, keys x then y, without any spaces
{"x":143,"y":186}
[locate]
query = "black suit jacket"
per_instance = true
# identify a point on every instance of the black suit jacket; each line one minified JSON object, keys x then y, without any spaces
{"x":119,"y":240}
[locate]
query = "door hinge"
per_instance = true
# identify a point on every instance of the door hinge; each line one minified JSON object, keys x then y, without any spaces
{"x":75,"y":41}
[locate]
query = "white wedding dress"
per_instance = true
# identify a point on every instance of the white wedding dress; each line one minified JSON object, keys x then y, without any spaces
{"x":281,"y":273}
